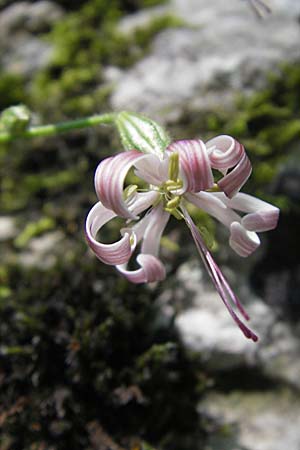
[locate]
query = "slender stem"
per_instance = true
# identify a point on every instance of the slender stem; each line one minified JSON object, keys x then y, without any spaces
{"x":53,"y":129}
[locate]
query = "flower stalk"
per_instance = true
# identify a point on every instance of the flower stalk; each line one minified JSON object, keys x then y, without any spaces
{"x":55,"y":129}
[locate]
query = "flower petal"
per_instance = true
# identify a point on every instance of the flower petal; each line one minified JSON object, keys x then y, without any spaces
{"x":158,"y":219}
{"x":221,"y":284}
{"x":234,"y":180}
{"x":225,"y":152}
{"x":262,"y":215}
{"x":194,"y":164}
{"x":214,"y":206}
{"x":242,"y":241}
{"x":149,"y":229}
{"x":151,"y":270}
{"x":109,"y":181}
{"x":117,"y":253}
{"x":152,"y":169}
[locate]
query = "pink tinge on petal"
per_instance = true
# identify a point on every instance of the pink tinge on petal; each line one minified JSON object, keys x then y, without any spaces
{"x":152,"y":169}
{"x":214,"y":206}
{"x":242,"y":241}
{"x":234,"y":180}
{"x":116,"y":253}
{"x":224,"y":152}
{"x":151,"y":270}
{"x":261,"y":221}
{"x":221,"y":284}
{"x":109,"y":181}
{"x":194,"y":163}
{"x":262,"y":216}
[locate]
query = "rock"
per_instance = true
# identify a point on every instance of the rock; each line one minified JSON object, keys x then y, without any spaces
{"x":207,"y":328}
{"x":8,"y":228}
{"x":262,"y":420}
{"x":42,"y":251}
{"x":222,"y":50}
{"x":22,"y":50}
{"x":26,"y":16}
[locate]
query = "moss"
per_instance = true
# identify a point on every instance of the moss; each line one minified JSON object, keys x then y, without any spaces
{"x":78,"y":347}
{"x":70,"y":85}
{"x":12,"y":90}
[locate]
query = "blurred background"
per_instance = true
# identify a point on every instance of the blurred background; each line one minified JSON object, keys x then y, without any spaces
{"x":88,"y":361}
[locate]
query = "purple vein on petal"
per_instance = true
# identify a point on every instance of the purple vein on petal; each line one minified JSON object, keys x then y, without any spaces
{"x":219,"y":280}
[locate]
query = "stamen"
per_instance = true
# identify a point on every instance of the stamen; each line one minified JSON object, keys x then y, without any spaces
{"x":174,"y":202}
{"x":175,"y":212}
{"x":215,"y":188}
{"x":129,"y":191}
{"x":171,"y":185}
{"x":174,"y":166}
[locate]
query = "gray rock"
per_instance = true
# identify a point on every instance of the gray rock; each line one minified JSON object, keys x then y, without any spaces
{"x":8,"y":228}
{"x":42,"y":251}
{"x":27,"y":16}
{"x":207,"y":328}
{"x":254,"y":421}
{"x":22,"y":50}
{"x":222,"y":50}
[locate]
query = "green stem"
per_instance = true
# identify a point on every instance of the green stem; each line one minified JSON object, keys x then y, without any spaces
{"x":54,"y":129}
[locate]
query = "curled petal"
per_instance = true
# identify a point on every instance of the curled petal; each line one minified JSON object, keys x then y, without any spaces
{"x":224,"y":152}
{"x":262,"y":216}
{"x":221,"y":284}
{"x":117,"y":253}
{"x":151,"y":270}
{"x":242,"y":241}
{"x":234,"y":180}
{"x":194,"y":164}
{"x":109,"y":181}
{"x":150,"y":229}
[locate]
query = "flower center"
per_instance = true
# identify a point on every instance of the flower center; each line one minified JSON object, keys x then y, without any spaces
{"x":171,"y":187}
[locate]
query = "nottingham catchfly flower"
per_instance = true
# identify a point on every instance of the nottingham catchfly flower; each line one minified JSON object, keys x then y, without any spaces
{"x":181,"y":173}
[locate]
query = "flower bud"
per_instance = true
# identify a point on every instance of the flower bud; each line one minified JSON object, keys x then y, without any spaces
{"x":142,"y":134}
{"x":15,"y":119}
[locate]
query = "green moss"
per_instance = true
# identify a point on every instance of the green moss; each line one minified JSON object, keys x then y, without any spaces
{"x":12,"y":90}
{"x":68,"y":85}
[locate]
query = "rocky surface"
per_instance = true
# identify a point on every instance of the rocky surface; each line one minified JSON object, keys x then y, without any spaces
{"x":223,"y":49}
{"x":257,"y":406}
{"x":259,"y":420}
{"x":208,"y":329}
{"x":23,"y":51}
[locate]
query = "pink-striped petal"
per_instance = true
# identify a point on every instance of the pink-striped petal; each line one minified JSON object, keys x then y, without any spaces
{"x":262,"y":216}
{"x":242,"y":241}
{"x":224,"y":152}
{"x":234,"y":180}
{"x":221,"y":284}
{"x":117,"y":253}
{"x":194,"y":164}
{"x":109,"y":181}
{"x":151,"y":270}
